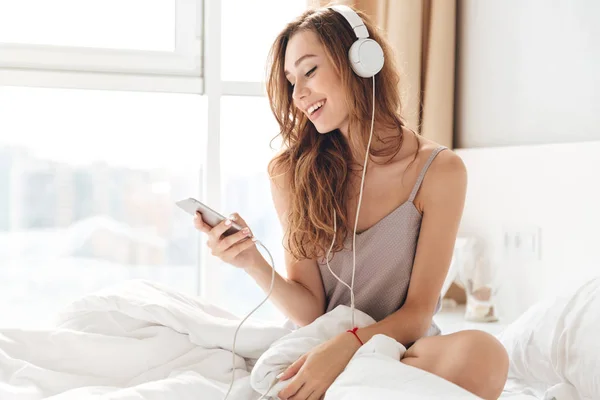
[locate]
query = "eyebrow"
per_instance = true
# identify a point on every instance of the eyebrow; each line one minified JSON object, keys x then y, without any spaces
{"x":298,"y":61}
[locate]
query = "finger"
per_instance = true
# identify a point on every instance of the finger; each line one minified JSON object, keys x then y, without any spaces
{"x":238,"y":220}
{"x":315,"y":395}
{"x":199,"y":223}
{"x":235,"y":217}
{"x":236,"y":249}
{"x":217,"y":231}
{"x":304,"y":393}
{"x":229,"y":241}
{"x":293,"y":369}
{"x":290,"y":390}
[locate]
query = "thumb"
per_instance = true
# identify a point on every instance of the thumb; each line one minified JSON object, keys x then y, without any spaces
{"x":292,"y":369}
{"x":238,"y":219}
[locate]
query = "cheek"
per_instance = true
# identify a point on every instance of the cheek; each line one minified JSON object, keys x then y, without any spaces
{"x":339,"y":103}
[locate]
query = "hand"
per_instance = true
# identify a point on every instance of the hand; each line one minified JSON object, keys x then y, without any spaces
{"x":238,"y":249}
{"x":315,"y":371}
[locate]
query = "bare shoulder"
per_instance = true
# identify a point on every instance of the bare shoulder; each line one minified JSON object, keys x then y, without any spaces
{"x":277,"y":172}
{"x":447,"y":165}
{"x":280,"y":190}
{"x":446,"y":179}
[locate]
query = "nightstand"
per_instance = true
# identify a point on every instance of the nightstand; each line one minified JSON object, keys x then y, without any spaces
{"x":451,"y":319}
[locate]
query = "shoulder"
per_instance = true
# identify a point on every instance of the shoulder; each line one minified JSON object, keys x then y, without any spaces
{"x":279,"y":177}
{"x":446,"y":177}
{"x":447,"y":165}
{"x":278,"y":170}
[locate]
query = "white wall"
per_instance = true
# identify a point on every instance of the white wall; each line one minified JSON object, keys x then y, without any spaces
{"x":555,"y":187}
{"x":529,"y":72}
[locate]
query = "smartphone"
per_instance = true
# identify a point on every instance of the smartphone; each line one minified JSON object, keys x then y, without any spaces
{"x":209,"y":216}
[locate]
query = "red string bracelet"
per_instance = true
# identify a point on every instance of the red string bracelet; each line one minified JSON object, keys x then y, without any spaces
{"x":353,"y":331}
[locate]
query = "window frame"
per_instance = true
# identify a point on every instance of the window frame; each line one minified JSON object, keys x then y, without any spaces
{"x":216,"y":88}
{"x":61,"y":67}
{"x":180,"y":71}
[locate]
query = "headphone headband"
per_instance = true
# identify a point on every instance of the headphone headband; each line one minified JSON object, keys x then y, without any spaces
{"x":365,"y":54}
{"x":357,"y":24}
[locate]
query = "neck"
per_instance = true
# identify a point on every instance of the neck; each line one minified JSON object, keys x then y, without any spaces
{"x":382,"y":138}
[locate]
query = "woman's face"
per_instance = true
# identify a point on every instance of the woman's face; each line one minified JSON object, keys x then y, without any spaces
{"x":317,"y":87}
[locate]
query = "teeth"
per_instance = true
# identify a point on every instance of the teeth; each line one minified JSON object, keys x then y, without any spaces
{"x":315,"y":107}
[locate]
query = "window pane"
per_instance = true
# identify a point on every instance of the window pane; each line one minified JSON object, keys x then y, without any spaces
{"x":116,"y":24}
{"x":247,"y":129}
{"x":244,"y":53}
{"x":88,"y":181}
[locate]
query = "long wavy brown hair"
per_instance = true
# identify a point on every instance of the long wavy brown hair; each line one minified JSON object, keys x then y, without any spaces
{"x":318,"y":166}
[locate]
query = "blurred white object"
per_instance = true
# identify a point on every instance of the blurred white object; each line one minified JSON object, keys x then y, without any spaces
{"x":478,"y":277}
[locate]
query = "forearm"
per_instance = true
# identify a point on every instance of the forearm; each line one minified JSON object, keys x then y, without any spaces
{"x":405,"y":325}
{"x":290,"y":297}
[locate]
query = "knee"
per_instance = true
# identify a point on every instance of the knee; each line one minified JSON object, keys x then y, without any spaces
{"x":483,"y":366}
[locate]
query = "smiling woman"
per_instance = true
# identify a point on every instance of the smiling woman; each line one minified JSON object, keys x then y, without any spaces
{"x":413,"y":201}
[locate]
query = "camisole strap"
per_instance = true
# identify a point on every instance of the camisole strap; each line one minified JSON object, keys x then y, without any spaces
{"x":415,"y":190}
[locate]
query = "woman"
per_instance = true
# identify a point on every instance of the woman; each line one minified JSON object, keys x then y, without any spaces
{"x":412,"y":203}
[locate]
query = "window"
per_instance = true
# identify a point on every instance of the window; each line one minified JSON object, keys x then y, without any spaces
{"x":245,"y":153}
{"x":88,"y":180}
{"x":248,"y":29}
{"x":52,"y":41}
{"x":34,"y":22}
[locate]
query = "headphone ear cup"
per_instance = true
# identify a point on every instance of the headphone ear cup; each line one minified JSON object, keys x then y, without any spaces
{"x":366,"y":57}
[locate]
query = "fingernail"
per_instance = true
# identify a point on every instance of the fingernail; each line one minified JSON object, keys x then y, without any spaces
{"x":254,"y":239}
{"x":232,"y":217}
{"x":227,"y":222}
{"x":280,"y":375}
{"x":246,"y":230}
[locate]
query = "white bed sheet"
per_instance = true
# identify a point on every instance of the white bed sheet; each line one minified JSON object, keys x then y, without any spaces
{"x":517,"y":396}
{"x":141,"y":341}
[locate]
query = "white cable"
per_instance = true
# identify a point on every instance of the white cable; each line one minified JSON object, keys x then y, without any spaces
{"x":362,"y":182}
{"x":246,"y":317}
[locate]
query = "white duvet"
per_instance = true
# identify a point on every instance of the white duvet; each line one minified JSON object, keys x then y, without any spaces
{"x":140,"y":340}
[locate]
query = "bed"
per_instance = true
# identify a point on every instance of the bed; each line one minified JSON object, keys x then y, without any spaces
{"x":141,"y":340}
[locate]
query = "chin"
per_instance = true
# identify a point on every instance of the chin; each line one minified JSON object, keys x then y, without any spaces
{"x":324,"y":129}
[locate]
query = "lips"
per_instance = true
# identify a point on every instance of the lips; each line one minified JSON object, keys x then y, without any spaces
{"x":314,"y":110}
{"x":315,"y":106}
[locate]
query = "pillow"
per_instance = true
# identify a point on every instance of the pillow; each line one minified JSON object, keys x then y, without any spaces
{"x":556,"y":342}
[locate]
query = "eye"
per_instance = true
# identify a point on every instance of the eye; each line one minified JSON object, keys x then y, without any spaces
{"x":309,"y":73}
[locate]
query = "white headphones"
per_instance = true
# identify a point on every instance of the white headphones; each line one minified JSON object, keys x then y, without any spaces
{"x":366,"y":55}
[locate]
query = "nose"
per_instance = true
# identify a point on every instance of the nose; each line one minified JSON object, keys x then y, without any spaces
{"x":300,"y":91}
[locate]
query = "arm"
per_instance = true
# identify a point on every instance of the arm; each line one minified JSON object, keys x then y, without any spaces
{"x":442,"y":202}
{"x":300,"y":296}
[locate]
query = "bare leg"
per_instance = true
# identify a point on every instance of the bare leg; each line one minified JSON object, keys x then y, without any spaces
{"x":474,"y":360}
